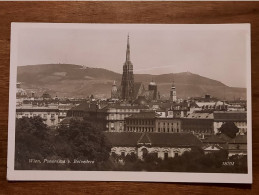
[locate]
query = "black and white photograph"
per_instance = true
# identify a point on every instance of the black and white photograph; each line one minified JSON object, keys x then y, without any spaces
{"x":130,"y":102}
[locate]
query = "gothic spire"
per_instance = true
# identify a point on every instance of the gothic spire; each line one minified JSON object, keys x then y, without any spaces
{"x":128,"y":50}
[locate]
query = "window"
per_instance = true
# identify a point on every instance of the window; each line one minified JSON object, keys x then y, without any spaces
{"x":165,"y":155}
{"x":176,"y":154}
{"x":112,"y":125}
{"x":123,"y":154}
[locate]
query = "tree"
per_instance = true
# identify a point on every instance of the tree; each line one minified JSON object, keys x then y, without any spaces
{"x":85,"y":142}
{"x":229,"y":129}
{"x":31,"y":142}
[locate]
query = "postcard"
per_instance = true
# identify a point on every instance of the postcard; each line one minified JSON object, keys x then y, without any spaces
{"x":130,"y":102}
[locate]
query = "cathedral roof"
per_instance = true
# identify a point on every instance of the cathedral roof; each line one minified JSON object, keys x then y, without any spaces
{"x":137,"y":89}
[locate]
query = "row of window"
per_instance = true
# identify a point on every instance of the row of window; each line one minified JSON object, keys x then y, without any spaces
{"x":168,"y":124}
{"x":123,"y":154}
{"x":40,"y":115}
{"x":140,"y":129}
{"x":140,"y":122}
{"x":168,"y":130}
{"x":127,"y":110}
{"x":198,"y":131}
{"x":119,"y":116}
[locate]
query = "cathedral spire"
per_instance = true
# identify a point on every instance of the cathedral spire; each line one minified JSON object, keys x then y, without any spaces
{"x":127,"y":82}
{"x":128,"y":50}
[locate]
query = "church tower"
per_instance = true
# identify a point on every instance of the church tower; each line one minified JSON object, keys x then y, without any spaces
{"x":114,"y":91}
{"x":173,"y":93}
{"x":127,"y":82}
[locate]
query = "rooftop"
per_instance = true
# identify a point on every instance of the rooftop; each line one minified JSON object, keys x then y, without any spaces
{"x":155,"y":139}
{"x":239,"y":139}
{"x":144,"y":115}
{"x":200,"y":115}
{"x":230,"y":116}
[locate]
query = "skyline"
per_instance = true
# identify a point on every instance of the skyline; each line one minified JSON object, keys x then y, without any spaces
{"x":174,"y":49}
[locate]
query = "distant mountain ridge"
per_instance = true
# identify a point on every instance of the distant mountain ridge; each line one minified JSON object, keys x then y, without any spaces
{"x":69,"y":80}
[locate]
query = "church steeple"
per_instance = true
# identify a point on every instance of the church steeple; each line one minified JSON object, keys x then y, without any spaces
{"x":128,"y":50}
{"x":127,"y":81}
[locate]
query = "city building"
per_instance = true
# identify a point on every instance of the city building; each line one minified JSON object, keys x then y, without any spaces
{"x":161,"y":145}
{"x":49,"y":114}
{"x":214,"y":143}
{"x":168,"y":125}
{"x":200,"y":124}
{"x":20,"y":92}
{"x":115,"y":115}
{"x":143,"y":121}
{"x":238,"y":145}
{"x":178,"y":110}
{"x":238,"y":117}
{"x":63,"y":110}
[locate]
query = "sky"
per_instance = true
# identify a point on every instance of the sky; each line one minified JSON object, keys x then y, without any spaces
{"x":218,"y":52}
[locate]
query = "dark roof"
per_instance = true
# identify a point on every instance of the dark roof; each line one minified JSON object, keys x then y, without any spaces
{"x":128,"y":139}
{"x":155,"y":139}
{"x":239,"y":139}
{"x":230,"y":116}
{"x":85,"y":106}
{"x":68,"y":119}
{"x":119,"y":106}
{"x":214,"y":139}
{"x":224,"y":137}
{"x":45,"y":109}
{"x":200,"y":116}
{"x":144,"y":115}
{"x":174,"y":139}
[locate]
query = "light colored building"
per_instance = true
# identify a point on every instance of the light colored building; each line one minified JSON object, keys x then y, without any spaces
{"x":168,"y":125}
{"x":116,"y":114}
{"x":48,"y":114}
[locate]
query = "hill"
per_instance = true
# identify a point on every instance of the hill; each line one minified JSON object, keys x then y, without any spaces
{"x":68,"y":80}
